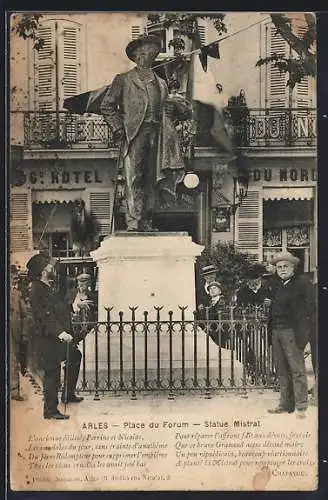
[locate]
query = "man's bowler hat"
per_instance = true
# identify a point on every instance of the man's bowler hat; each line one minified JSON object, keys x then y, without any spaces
{"x":143,"y":40}
{"x":255,"y":271}
{"x":208,"y":270}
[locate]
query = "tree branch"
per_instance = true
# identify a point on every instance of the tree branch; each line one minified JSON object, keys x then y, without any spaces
{"x":283,"y":27}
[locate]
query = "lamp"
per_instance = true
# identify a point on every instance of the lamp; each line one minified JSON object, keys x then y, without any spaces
{"x":191,"y":180}
{"x":120,"y":186}
{"x":240,"y":190}
{"x":240,"y":183}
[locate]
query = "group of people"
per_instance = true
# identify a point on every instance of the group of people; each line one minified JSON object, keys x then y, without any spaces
{"x":289,"y":298}
{"x":54,"y":337}
{"x":290,"y":302}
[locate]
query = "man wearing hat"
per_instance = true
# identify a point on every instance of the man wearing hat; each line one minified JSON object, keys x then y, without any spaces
{"x":207,"y":275}
{"x":53,"y":335}
{"x":83,"y":302}
{"x":291,"y":325}
{"x":18,"y":315}
{"x":209,"y":310}
{"x":253,"y":292}
{"x":139,"y":110}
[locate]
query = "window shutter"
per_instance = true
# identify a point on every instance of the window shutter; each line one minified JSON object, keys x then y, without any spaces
{"x":69,"y":63}
{"x":20,"y":220}
{"x":202,"y":34}
{"x":136,"y":31}
{"x":62,"y":42}
{"x":302,"y":89}
{"x":100,"y":207}
{"x":278,"y":92}
{"x":249,"y":224}
{"x":45,"y":71}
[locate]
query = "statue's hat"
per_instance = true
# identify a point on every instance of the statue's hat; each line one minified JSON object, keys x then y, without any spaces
{"x":143,"y":40}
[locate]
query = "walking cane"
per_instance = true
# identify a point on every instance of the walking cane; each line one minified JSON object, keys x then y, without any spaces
{"x":66,"y":377}
{"x":115,"y":191}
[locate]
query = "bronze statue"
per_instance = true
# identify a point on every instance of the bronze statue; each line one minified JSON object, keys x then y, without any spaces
{"x":141,"y":113}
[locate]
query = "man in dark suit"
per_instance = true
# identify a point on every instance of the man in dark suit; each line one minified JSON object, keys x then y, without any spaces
{"x":254,"y":292}
{"x":53,"y":336}
{"x":204,"y":276}
{"x":210,"y":310}
{"x":139,"y":109}
{"x":291,"y":325}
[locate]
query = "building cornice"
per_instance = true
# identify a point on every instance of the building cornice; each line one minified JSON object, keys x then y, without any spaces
{"x":200,"y":152}
{"x":70,"y":154}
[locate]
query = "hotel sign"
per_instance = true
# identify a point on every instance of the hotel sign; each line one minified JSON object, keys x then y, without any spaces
{"x":284,"y":175}
{"x":51,"y":178}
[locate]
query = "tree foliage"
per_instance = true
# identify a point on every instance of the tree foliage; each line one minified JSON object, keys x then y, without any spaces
{"x":302,"y":62}
{"x":26,"y":27}
{"x":231,"y":264}
{"x":186,"y":26}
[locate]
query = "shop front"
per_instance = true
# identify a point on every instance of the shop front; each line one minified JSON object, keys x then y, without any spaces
{"x":278,"y":213}
{"x":64,"y":208}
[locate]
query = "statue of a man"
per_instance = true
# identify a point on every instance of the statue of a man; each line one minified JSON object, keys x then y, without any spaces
{"x":140,"y":111}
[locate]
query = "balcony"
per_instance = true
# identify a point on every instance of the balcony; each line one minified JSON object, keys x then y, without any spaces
{"x":61,"y":130}
{"x":257,"y":128}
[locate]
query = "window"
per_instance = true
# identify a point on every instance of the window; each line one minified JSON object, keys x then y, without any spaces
{"x":57,"y":244}
{"x":293,"y":239}
{"x":168,"y":34}
{"x":57,"y":65}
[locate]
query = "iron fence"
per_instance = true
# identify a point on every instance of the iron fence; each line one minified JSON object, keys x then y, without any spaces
{"x":285,"y":127}
{"x":149,"y":353}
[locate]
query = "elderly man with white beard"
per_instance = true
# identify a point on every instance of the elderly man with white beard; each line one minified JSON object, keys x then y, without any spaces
{"x":291,"y":311}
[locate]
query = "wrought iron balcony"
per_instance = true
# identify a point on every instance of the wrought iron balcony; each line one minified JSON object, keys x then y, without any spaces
{"x":260,"y":128}
{"x":60,"y":130}
{"x":250,"y":128}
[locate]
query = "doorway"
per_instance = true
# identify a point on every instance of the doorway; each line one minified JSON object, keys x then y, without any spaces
{"x":177,"y":221}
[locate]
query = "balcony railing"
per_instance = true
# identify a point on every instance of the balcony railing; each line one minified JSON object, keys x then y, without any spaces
{"x":290,"y":127}
{"x":60,"y":130}
{"x":257,"y":128}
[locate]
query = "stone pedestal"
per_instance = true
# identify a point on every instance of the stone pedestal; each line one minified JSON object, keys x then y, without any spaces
{"x":146,"y":270}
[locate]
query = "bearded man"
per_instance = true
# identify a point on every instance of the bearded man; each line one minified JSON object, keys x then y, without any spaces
{"x":53,"y":332}
{"x":291,"y":318}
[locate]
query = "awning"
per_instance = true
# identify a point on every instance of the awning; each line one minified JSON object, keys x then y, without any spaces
{"x":287,"y":213}
{"x":57,"y":196}
{"x":52,"y":217}
{"x":288,"y":193}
